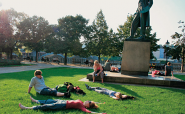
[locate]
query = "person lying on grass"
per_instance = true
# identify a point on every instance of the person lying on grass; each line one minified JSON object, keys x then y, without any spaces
{"x":38,"y":82}
{"x":58,"y":104}
{"x":112,"y":94}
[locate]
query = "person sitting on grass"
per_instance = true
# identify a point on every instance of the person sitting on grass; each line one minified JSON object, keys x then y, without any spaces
{"x":58,"y":104}
{"x":112,"y":94}
{"x":38,"y":82}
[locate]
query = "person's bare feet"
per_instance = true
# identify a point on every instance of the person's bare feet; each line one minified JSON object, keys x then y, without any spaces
{"x":33,"y":100}
{"x":21,"y":106}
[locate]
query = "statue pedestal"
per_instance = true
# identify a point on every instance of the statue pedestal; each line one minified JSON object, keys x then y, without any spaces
{"x":135,"y":58}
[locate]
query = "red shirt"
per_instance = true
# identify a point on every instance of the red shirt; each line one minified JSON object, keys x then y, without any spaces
{"x":76,"y":104}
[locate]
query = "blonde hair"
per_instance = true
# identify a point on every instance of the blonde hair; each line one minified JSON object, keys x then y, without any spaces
{"x":119,"y":95}
{"x":93,"y":105}
{"x":96,"y":61}
{"x":37,"y":72}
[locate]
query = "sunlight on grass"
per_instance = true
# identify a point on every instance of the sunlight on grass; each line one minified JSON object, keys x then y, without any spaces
{"x":14,"y":87}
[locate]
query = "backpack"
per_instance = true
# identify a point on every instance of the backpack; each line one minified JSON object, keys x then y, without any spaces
{"x":68,"y":83}
{"x":62,"y":88}
{"x":78,"y":90}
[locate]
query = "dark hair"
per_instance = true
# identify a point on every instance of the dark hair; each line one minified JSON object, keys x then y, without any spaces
{"x":168,"y":63}
{"x":37,"y":72}
{"x":93,"y":105}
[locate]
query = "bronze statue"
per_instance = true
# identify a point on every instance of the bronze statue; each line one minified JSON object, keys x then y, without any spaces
{"x":141,"y":19}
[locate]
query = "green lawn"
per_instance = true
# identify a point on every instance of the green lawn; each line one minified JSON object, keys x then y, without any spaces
{"x":17,"y":65}
{"x":155,"y":100}
{"x":182,"y":77}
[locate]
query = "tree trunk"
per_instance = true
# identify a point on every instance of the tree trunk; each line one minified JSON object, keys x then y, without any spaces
{"x":65,"y":59}
{"x":99,"y":58}
{"x":11,"y":57}
{"x":36,"y":56}
{"x":0,"y":54}
{"x":182,"y":66}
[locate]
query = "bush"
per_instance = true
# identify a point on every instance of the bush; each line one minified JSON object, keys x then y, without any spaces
{"x":5,"y":62}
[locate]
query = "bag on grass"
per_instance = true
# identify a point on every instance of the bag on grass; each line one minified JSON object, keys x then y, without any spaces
{"x":62,"y":88}
{"x":79,"y":91}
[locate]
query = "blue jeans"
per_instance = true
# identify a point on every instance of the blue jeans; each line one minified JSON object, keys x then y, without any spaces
{"x":51,"y":104}
{"x":48,"y":91}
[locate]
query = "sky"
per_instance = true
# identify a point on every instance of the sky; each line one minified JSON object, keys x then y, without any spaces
{"x":164,"y":14}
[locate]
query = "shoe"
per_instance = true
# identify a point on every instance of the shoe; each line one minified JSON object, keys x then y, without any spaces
{"x":67,"y":94}
{"x":87,"y":86}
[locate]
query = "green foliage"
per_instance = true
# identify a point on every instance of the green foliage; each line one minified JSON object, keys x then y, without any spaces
{"x":33,"y":31}
{"x":96,"y":38}
{"x":14,"y":87}
{"x":124,"y":32}
{"x":9,"y":37}
{"x":177,"y":52}
{"x":5,"y":62}
{"x":65,"y":37}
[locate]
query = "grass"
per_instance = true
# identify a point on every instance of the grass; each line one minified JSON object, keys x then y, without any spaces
{"x":17,"y":65}
{"x":156,"y":100}
{"x":182,"y":77}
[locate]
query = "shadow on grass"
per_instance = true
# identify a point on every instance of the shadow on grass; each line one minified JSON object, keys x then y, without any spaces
{"x":45,"y":97}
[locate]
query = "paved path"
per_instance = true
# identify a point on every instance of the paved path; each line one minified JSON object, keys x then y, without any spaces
{"x":42,"y":65}
{"x":35,"y":67}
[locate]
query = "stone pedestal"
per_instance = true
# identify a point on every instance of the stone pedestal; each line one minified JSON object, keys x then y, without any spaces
{"x":135,"y":58}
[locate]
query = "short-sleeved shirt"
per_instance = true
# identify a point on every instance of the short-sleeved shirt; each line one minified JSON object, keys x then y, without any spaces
{"x":38,"y":84}
{"x":168,"y":70}
{"x":76,"y":104}
{"x":107,"y":66}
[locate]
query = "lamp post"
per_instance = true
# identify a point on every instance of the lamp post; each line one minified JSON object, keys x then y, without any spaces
{"x":166,"y":49}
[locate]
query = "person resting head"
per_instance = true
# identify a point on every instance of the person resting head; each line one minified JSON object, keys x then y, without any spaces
{"x":58,"y":104}
{"x":111,"y":93}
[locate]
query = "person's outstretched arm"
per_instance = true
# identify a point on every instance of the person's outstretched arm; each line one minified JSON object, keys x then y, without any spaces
{"x":98,"y":113}
{"x":29,"y":89}
{"x":115,"y":98}
{"x":172,"y":73}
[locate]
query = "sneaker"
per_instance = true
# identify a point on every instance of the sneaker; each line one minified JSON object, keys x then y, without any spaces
{"x":87,"y":86}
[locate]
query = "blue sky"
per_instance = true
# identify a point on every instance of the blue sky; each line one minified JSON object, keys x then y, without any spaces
{"x":164,"y":14}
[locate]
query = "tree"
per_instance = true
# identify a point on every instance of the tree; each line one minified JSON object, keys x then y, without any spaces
{"x":68,"y":33}
{"x":115,"y":44}
{"x":9,"y":32}
{"x":97,"y":40}
{"x":124,"y":32}
{"x":33,"y":32}
{"x":6,"y":30}
{"x":179,"y":44}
